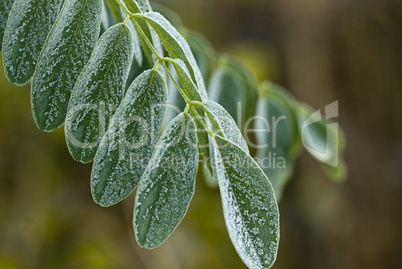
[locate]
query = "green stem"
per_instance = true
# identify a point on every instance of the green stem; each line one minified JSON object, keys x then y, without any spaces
{"x":163,"y":60}
{"x":120,"y":3}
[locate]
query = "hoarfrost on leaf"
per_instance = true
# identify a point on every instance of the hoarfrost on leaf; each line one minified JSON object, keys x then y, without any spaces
{"x":249,"y":206}
{"x":28,"y":25}
{"x":66,"y":51}
{"x":127,"y":146}
{"x":225,"y":125}
{"x":98,"y":92}
{"x":168,"y":183}
{"x":5,"y":8}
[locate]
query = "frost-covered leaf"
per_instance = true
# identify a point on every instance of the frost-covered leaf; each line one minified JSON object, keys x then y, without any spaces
{"x":168,"y":183}
{"x":29,"y":23}
{"x":128,"y":144}
{"x":249,"y":205}
{"x":225,"y":125}
{"x":138,"y":6}
{"x":177,"y":47}
{"x":185,"y":80}
{"x":98,"y":92}
{"x":234,"y":86}
{"x":66,"y":52}
{"x":5,"y":8}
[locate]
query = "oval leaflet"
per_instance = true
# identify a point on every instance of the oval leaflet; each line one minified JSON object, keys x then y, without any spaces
{"x":128,"y":144}
{"x":29,"y":23}
{"x":249,"y":206}
{"x":98,"y":92}
{"x":66,"y":52}
{"x":168,"y":183}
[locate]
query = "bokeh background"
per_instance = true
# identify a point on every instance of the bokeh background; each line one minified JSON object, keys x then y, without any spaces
{"x":322,"y":51}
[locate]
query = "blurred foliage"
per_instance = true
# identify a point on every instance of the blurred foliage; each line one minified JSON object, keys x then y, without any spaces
{"x":322,"y":51}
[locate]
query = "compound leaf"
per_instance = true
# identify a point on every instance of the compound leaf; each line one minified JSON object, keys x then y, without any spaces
{"x":168,"y":183}
{"x":29,"y":23}
{"x":127,"y":146}
{"x":66,"y":52}
{"x":249,"y":205}
{"x":98,"y":91}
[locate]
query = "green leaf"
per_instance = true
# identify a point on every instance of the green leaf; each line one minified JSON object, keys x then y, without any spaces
{"x":168,"y":183}
{"x":224,"y":125}
{"x":323,"y":139}
{"x":177,"y":47}
{"x":5,"y":8}
{"x":128,"y":144}
{"x":203,"y":52}
{"x":233,"y":86}
{"x":66,"y":52}
{"x":107,"y":18}
{"x":320,"y":137}
{"x":277,"y":138}
{"x":98,"y":92}
{"x":268,"y":88}
{"x":249,"y":206}
{"x":29,"y":23}
{"x":277,"y":107}
{"x":143,"y":6}
{"x":169,"y":14}
{"x":114,"y":9}
{"x":277,"y":119}
{"x":186,"y":82}
{"x":138,"y":6}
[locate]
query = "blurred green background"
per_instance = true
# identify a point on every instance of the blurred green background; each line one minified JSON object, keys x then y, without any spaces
{"x":322,"y":51}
